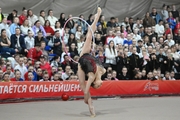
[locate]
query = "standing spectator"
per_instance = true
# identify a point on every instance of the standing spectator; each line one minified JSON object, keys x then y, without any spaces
{"x":164,"y":13}
{"x":14,"y":25}
{"x":111,"y":54}
{"x":18,"y":43}
{"x":148,"y":21}
{"x":159,"y":28}
{"x":21,"y":67}
{"x":31,"y":17}
{"x":1,"y":15}
{"x":51,"y":18}
{"x":23,"y":16}
{"x":38,"y":27}
{"x":5,"y":26}
{"x":175,"y":12}
{"x":62,"y":19}
{"x":42,"y":17}
{"x":25,"y":28}
{"x":155,"y":15}
{"x":171,"y":21}
{"x":35,"y":53}
{"x":57,"y":44}
{"x":29,"y":40}
{"x":12,"y":15}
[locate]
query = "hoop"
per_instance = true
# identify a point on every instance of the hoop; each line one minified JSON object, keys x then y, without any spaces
{"x":64,"y":34}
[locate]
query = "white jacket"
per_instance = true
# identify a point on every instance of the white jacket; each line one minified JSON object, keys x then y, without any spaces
{"x":110,"y":57}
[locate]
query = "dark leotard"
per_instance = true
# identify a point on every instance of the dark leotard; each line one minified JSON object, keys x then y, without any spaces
{"x":89,"y":63}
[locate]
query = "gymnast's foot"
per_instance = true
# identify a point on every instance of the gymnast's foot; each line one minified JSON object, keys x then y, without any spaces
{"x":92,"y":111}
{"x":97,"y":15}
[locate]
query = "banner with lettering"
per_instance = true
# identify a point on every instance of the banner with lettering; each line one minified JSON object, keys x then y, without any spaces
{"x":11,"y":90}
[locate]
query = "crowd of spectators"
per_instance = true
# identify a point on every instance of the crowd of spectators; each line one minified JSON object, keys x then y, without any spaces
{"x":37,"y":48}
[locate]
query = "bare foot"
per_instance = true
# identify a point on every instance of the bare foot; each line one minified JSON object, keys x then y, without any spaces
{"x":99,"y":11}
{"x":92,"y":111}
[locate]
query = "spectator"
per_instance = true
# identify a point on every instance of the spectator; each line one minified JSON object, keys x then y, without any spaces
{"x":1,"y":75}
{"x":66,"y":62}
{"x":57,"y":44}
{"x":72,"y":39}
{"x":172,"y":75}
{"x":17,"y":76}
{"x":1,"y":15}
{"x":45,"y":76}
{"x":5,"y":26}
{"x":42,"y":17}
{"x":114,"y":75}
{"x":30,"y":76}
{"x":55,"y":77}
{"x":29,"y":40}
{"x":159,"y":28}
{"x":164,"y":13}
{"x":12,"y":16}
{"x":18,"y":43}
{"x":79,"y":32}
{"x":59,"y":27}
{"x":123,"y":30}
{"x":55,"y":61}
{"x":111,"y":54}
{"x":35,"y":53}
{"x":177,"y":28}
{"x":150,"y":76}
{"x":125,"y":22}
{"x":169,"y":41}
{"x":137,"y":25}
{"x":6,"y":78}
{"x":26,"y":75}
{"x":21,"y":67}
{"x":52,"y":19}
{"x":14,"y":25}
{"x":67,"y":73}
{"x":98,"y":39}
{"x":171,"y":21}
{"x":62,"y":19}
{"x":39,"y":74}
{"x":39,"y":38}
{"x":111,"y":23}
{"x":128,"y":41}
{"x":80,"y":43}
{"x":90,"y":19}
{"x":175,"y":13}
{"x":25,"y":27}
{"x":43,"y":49}
{"x":38,"y":28}
{"x":110,"y":37}
{"x":168,"y":30}
{"x":167,"y":76}
{"x":70,"y":23}
{"x":66,"y":36}
{"x":44,"y":65}
{"x":118,"y":39}
{"x":73,"y":50}
{"x":102,"y":22}
{"x":23,"y":16}
{"x":124,"y":75}
{"x":32,"y":18}
{"x":82,"y":23}
{"x":155,"y":15}
{"x":48,"y":29}
{"x":9,"y":71}
{"x":5,"y":45}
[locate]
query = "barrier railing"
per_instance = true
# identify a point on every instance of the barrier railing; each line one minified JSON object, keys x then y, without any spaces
{"x":34,"y":90}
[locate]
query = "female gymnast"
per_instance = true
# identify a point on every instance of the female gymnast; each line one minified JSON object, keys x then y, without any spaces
{"x":90,"y":66}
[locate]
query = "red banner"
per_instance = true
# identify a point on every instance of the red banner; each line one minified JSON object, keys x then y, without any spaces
{"x":72,"y":88}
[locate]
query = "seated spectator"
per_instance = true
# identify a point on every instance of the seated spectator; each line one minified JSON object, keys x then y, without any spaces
{"x":98,"y":39}
{"x":167,"y":76}
{"x":1,"y":15}
{"x":123,"y":30}
{"x":144,"y":77}
{"x":6,"y":78}
{"x":125,"y":23}
{"x":55,"y":61}
{"x":14,"y":25}
{"x":148,"y":21}
{"x":59,"y":27}
{"x":102,"y":22}
{"x":66,"y":36}
{"x":30,"y":69}
{"x":30,"y":76}
{"x":155,"y":15}
{"x":12,"y":15}
{"x":52,"y":19}
{"x":71,"y":22}
{"x":45,"y":76}
{"x":39,"y":74}
{"x":23,"y":16}
{"x":57,"y":49}
{"x":17,"y":76}
{"x":65,"y":52}
{"x":177,"y":28}
{"x":150,"y":76}
{"x":171,"y":21}
{"x":42,"y":17}
{"x":82,"y":23}
{"x":29,"y":40}
{"x":79,"y":32}
{"x":5,"y":26}
{"x":118,"y":39}
{"x":39,"y":38}
{"x":72,"y":39}
{"x":34,"y":53}
{"x":111,"y":23}
{"x":114,"y":75}
{"x":25,"y":28}
{"x":43,"y":49}
{"x":5,"y":43}
{"x":21,"y":67}
{"x":109,"y":37}
{"x":32,"y":18}
{"x":128,"y":41}
{"x":18,"y":43}
{"x":1,"y":75}
{"x":66,"y":62}
{"x":90,"y":19}
{"x":48,"y":29}
{"x":169,"y":40}
{"x":109,"y":76}
{"x":137,"y":25}
{"x":73,"y":50}
{"x":55,"y":77}
{"x":67,"y":73}
{"x":159,"y":28}
{"x":9,"y":71}
{"x":62,"y":19}
{"x":44,"y":65}
{"x":37,"y":27}
{"x":100,"y":30}
{"x":80,"y":43}
{"x":168,"y":30}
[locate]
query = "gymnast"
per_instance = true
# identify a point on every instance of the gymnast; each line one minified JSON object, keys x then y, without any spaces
{"x":89,"y":66}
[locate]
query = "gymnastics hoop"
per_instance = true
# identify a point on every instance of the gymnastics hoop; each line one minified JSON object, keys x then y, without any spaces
{"x":64,"y":34}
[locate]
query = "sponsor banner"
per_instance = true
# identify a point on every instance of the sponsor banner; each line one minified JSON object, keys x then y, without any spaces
{"x":72,"y":88}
